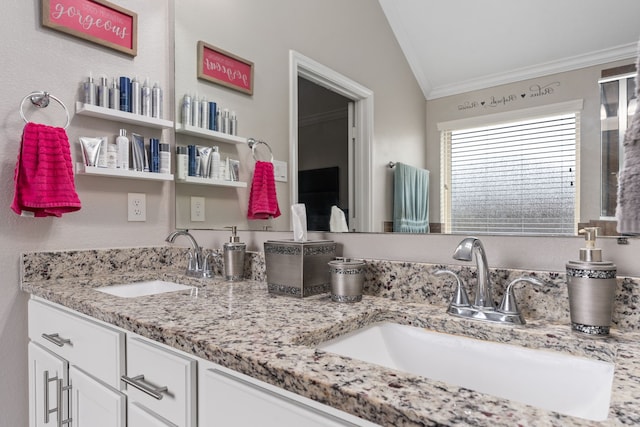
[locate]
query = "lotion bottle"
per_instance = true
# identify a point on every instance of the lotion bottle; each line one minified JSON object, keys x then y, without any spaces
{"x":591,"y":284}
{"x":122,"y":143}
{"x":234,"y":252}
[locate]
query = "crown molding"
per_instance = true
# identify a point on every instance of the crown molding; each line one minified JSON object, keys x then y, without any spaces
{"x":627,"y":51}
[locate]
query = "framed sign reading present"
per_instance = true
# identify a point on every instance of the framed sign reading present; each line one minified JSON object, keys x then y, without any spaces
{"x":98,"y":21}
{"x":217,"y":66}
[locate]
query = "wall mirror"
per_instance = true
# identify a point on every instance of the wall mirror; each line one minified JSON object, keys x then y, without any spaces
{"x":406,"y":126}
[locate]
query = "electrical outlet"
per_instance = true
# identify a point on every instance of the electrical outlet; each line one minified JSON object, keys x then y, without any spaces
{"x":197,"y":209}
{"x":136,"y":207}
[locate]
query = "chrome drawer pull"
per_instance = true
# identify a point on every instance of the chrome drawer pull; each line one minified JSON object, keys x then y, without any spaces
{"x":138,"y":382}
{"x":55,"y":338}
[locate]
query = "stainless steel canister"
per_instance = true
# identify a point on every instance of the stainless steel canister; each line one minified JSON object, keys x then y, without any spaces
{"x":234,"y":261}
{"x":347,"y":278}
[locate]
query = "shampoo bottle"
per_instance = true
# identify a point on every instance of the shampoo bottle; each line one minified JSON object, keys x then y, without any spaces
{"x":234,"y":252}
{"x":591,"y":284}
{"x":122,"y":143}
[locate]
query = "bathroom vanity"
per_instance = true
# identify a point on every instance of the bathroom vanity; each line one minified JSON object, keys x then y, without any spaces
{"x":229,"y":352}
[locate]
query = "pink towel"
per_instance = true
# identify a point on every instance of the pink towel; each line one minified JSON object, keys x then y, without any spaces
{"x":43,"y":176}
{"x":263,"y":202}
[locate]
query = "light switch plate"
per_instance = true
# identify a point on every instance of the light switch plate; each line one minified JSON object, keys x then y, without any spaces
{"x":280,"y":170}
{"x":197,"y":209}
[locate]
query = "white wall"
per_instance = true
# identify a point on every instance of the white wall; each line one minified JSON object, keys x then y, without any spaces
{"x":351,"y":37}
{"x":37,"y":58}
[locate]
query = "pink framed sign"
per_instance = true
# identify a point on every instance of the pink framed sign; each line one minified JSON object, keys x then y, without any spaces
{"x":98,"y":21}
{"x":224,"y":68}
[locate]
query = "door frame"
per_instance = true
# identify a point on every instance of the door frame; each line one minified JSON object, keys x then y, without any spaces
{"x":302,"y":66}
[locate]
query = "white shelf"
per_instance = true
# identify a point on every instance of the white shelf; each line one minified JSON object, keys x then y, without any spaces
{"x":209,"y":134}
{"x":81,"y":169}
{"x":209,"y":181}
{"x":121,"y":116}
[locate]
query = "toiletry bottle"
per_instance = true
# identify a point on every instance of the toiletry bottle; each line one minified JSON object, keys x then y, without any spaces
{"x":154,"y":155}
{"x":226,"y":126}
{"x":165,"y":158}
{"x":195,"y":111}
{"x":102,"y":155}
{"x":112,"y":156}
{"x":219,"y":120}
{"x":186,"y":110}
{"x":204,"y":113}
{"x":156,"y":101}
{"x":182,"y":162}
{"x":114,"y":95}
{"x":212,"y":115}
{"x":136,"y":102}
{"x":103,"y":92}
{"x":591,"y":284}
{"x":90,"y":91}
{"x":234,"y":257}
{"x":233,"y":130}
{"x":145,"y":94}
{"x":125,"y":94}
{"x":123,"y":150}
{"x":215,"y":163}
{"x":192,"y":152}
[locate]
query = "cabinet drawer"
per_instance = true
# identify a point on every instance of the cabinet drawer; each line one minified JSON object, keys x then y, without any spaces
{"x":93,"y":347}
{"x":154,"y":367}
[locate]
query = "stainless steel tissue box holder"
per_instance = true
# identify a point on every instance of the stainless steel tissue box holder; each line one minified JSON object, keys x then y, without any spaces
{"x":298,"y":269}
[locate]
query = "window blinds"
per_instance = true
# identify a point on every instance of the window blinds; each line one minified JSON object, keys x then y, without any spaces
{"x":512,"y":178}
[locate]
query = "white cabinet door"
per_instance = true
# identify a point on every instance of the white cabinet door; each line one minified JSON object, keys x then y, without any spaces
{"x":227,"y":399}
{"x":45,"y":371}
{"x":93,"y":403}
{"x":139,"y":416}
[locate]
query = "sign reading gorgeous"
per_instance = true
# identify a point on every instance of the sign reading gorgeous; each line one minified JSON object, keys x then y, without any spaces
{"x":95,"y":20}
{"x":224,"y":68}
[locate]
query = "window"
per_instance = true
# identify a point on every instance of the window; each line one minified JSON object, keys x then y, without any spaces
{"x":516,"y":177}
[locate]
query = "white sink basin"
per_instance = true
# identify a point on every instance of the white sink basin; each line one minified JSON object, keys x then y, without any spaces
{"x":139,"y":289}
{"x":567,"y":384}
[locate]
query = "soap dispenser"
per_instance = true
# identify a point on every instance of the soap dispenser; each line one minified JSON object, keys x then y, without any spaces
{"x":234,"y":257}
{"x":591,"y":284}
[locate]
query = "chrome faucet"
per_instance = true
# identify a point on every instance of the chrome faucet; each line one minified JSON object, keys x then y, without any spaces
{"x":195,"y":266}
{"x":466,"y":250}
{"x":484,"y":307}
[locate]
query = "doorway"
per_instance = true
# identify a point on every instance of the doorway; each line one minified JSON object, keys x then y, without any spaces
{"x":305,"y":71}
{"x":324,"y":154}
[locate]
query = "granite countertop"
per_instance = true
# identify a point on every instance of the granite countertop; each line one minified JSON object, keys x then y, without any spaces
{"x":273,"y":338}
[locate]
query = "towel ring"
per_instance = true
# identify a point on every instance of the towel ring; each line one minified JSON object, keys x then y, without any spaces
{"x":41,"y":100}
{"x":253,"y":143}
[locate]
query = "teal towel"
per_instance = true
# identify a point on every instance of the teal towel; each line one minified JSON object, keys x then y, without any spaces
{"x":410,"y":199}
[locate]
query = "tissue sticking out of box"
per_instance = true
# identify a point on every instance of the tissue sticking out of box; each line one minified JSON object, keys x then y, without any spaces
{"x":299,"y":219}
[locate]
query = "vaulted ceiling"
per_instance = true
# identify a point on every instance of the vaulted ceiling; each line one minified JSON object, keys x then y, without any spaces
{"x":454,"y":46}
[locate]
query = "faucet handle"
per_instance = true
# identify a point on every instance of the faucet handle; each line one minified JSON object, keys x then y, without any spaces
{"x":207,"y":268}
{"x":460,"y":299}
{"x":509,"y":304}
